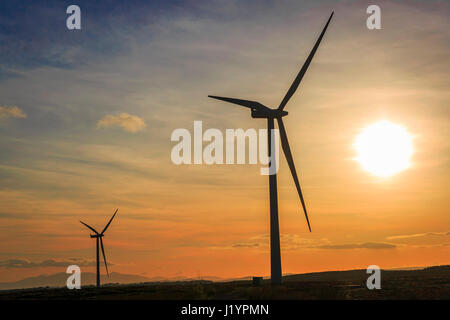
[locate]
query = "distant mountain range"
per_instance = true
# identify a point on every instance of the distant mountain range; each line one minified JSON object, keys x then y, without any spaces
{"x":88,"y":278}
{"x":59,"y":280}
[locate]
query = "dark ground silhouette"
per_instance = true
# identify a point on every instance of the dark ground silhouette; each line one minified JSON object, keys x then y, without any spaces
{"x":428,"y":283}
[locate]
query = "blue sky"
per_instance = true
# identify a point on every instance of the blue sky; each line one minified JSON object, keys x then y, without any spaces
{"x":34,"y":35}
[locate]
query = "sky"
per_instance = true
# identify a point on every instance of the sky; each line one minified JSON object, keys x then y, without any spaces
{"x":86,"y":118}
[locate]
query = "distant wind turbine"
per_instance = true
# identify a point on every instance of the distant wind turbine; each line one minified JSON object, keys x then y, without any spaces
{"x":260,"y":111}
{"x":99,"y":238}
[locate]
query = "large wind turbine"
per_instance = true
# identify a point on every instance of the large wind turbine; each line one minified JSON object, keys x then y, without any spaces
{"x":260,"y":111}
{"x":99,"y":238}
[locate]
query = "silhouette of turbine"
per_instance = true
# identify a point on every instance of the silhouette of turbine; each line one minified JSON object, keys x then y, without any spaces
{"x":261,"y":111}
{"x":99,"y":238}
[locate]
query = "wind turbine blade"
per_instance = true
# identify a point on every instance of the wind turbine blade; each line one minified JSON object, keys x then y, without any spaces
{"x":290,"y":161}
{"x":305,"y":66}
{"x":89,"y":227}
{"x":244,"y":103}
{"x":109,"y":221}
{"x":104,"y":257}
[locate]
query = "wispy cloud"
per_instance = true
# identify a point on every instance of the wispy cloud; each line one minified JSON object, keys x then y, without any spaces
{"x":366,"y":245}
{"x":11,"y":112}
{"x":293,"y":241}
{"x":245,"y":245}
{"x":126,"y":121}
{"x":417,"y":235}
{"x":288,"y":242}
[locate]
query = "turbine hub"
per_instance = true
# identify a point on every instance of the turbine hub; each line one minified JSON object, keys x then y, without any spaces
{"x":268,"y":113}
{"x":96,"y":235}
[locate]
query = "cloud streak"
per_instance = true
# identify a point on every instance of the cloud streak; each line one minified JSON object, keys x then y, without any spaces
{"x":126,"y":121}
{"x":293,"y":241}
{"x":21,"y":263}
{"x":245,"y":245}
{"x":366,"y":245}
{"x":418,"y":235}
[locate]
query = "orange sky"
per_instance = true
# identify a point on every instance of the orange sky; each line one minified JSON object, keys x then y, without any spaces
{"x":59,"y":166}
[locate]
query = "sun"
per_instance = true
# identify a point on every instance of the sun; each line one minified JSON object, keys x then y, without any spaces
{"x":384,"y":148}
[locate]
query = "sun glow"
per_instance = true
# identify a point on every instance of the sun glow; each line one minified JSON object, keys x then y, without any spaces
{"x":384,"y":148}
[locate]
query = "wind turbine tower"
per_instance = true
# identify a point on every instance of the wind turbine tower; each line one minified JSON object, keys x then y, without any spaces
{"x":99,"y":241}
{"x":259,"y":110}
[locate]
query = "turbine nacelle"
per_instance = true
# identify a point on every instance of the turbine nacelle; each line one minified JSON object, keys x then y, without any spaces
{"x":96,"y":235}
{"x":258,"y":110}
{"x":268,"y":113}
